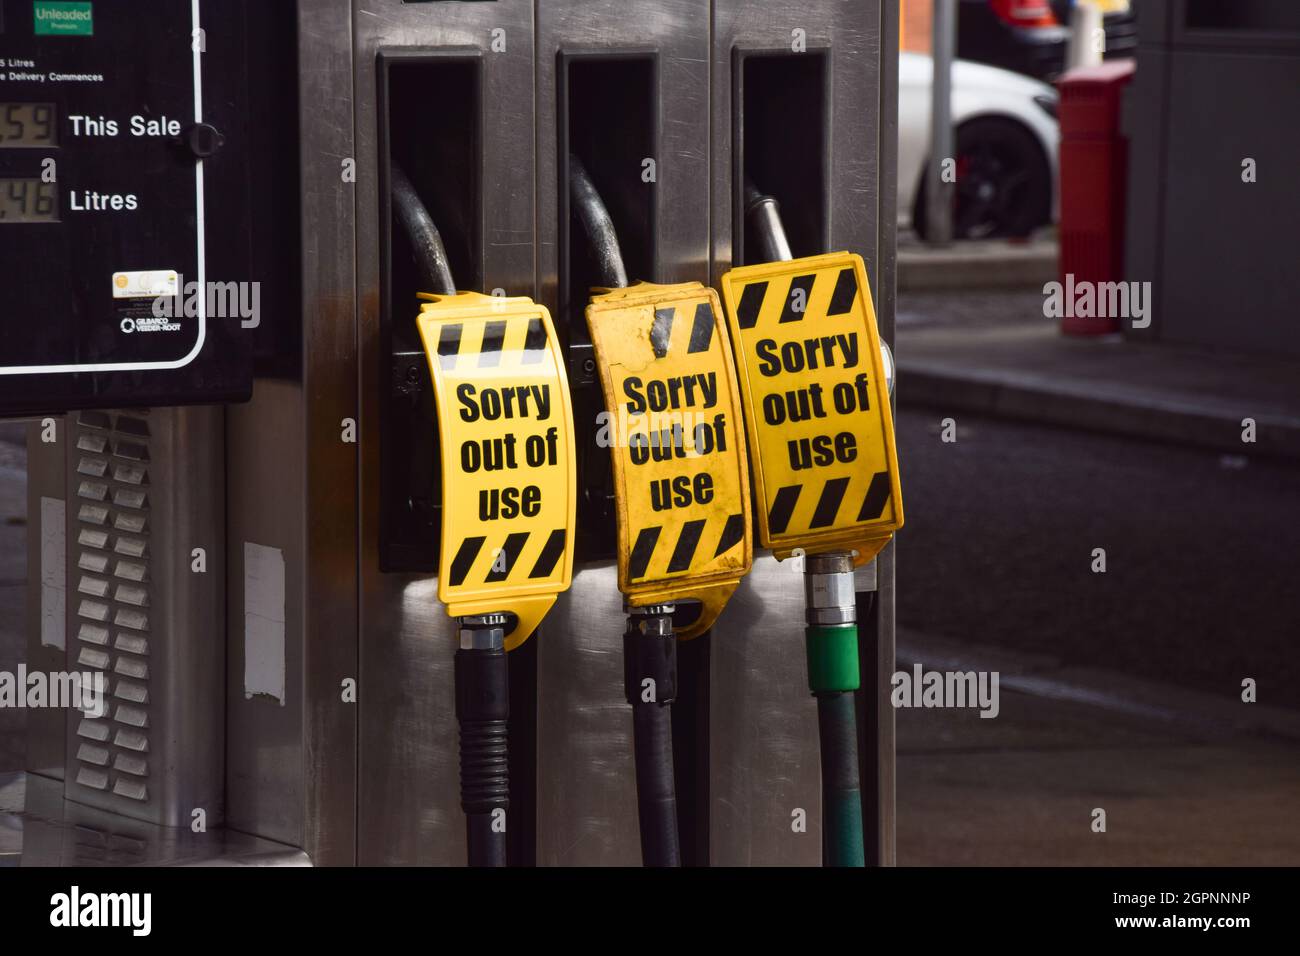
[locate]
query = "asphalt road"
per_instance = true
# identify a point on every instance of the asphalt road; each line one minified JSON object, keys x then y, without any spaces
{"x":1200,"y":587}
{"x":1023,"y":790}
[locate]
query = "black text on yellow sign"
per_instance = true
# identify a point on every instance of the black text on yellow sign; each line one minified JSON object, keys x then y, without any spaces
{"x":674,"y":428}
{"x":816,"y":403}
{"x":505,"y":424}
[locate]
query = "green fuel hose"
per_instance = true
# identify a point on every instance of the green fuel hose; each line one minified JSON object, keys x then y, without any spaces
{"x":833,"y":676}
{"x":831,"y":644}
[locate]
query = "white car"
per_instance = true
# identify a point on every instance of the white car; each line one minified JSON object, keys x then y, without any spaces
{"x":1006,"y":145}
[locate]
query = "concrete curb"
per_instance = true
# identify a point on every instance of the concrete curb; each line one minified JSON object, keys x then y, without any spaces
{"x":977,"y":265}
{"x":1094,"y":407}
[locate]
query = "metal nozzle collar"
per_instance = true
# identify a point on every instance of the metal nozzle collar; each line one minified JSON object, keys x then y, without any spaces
{"x":652,"y":620}
{"x":829,"y":593}
{"x":483,"y":632}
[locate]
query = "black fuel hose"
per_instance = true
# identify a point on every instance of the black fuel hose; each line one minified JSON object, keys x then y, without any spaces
{"x":652,"y":732}
{"x":837,"y":726}
{"x":649,"y":645}
{"x":650,"y":684}
{"x":483,"y":709}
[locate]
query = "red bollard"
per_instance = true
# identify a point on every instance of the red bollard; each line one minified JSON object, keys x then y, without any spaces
{"x":1094,"y":170}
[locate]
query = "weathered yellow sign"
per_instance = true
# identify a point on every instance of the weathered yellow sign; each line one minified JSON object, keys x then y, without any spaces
{"x":816,"y":403}
{"x":673,"y":428}
{"x":509,"y":487}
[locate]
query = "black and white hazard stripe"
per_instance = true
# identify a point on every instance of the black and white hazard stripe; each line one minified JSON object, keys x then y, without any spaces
{"x":830,"y":501}
{"x":511,"y":571}
{"x":526,"y":337}
{"x":685,"y":547}
{"x":799,"y":290}
{"x":665,"y":323}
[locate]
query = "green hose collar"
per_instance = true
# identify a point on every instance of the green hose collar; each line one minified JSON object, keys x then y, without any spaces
{"x":832,"y":658}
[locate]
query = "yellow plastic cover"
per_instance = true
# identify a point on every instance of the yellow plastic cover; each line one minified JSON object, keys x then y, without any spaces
{"x":816,"y":404}
{"x":673,"y":428}
{"x":505,"y":423}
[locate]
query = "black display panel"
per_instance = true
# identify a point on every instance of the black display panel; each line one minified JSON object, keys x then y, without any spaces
{"x":125,"y":192}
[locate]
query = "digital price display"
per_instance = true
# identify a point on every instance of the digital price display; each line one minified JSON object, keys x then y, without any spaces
{"x":30,"y":125}
{"x":28,"y":200}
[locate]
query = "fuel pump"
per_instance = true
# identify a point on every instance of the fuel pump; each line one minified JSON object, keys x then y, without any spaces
{"x":505,"y":428}
{"x":816,"y":390}
{"x":672,"y":424}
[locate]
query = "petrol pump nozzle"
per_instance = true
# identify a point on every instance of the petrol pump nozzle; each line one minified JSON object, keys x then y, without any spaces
{"x":764,"y":214}
{"x":508,"y":499}
{"x":681,"y":500}
{"x":597,"y":224}
{"x":827,"y":481}
{"x":430,"y":254}
{"x":481,"y":672}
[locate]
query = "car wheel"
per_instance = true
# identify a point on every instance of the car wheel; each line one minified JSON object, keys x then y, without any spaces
{"x":1003,"y":188}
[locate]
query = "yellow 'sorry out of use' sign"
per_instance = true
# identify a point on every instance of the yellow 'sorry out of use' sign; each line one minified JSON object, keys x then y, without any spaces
{"x":674,"y":429}
{"x":505,"y":424}
{"x":816,"y":403}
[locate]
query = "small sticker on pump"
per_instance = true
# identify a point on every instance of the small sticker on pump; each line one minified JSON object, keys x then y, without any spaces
{"x":147,"y":284}
{"x":63,"y":18}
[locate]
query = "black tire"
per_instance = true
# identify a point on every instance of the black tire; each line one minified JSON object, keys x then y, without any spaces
{"x":1003,"y":188}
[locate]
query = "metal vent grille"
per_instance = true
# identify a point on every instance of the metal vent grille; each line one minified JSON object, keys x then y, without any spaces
{"x":113,"y":599}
